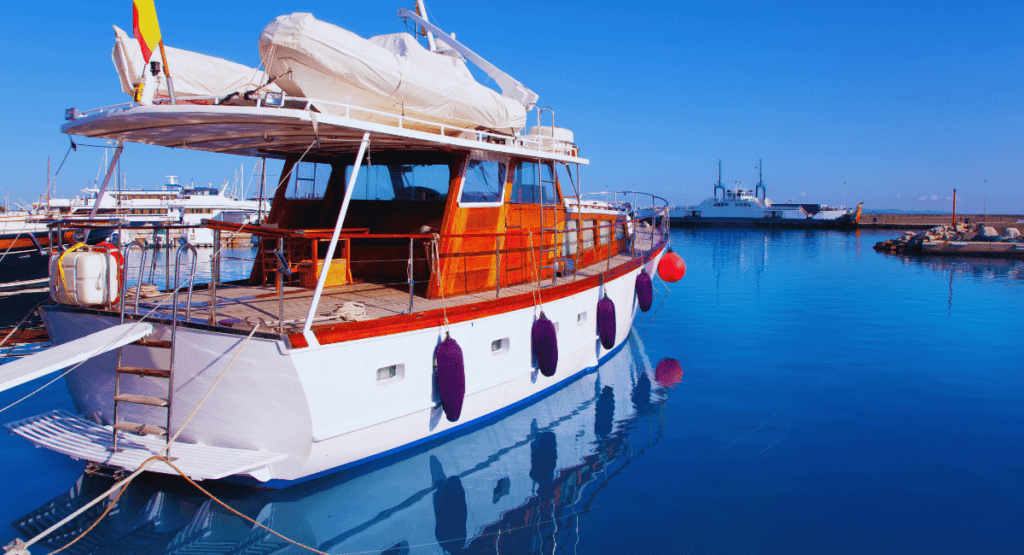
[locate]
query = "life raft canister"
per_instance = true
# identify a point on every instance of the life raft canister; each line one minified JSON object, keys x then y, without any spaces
{"x":451,"y":377}
{"x":606,"y":322}
{"x":644,"y":291}
{"x":545,"y":345}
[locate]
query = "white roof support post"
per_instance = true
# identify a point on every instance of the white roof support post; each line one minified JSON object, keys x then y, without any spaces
{"x":310,"y":337}
{"x":106,"y":180}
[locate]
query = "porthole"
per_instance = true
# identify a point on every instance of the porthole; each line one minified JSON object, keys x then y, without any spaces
{"x":499,"y":346}
{"x":387,"y":375}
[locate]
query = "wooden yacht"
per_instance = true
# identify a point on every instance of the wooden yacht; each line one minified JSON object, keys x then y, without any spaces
{"x":417,"y":275}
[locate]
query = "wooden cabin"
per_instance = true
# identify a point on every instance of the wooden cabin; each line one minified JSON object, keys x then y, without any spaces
{"x":460,"y":221}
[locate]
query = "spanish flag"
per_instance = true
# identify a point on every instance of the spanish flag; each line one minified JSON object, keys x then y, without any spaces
{"x":145,"y":27}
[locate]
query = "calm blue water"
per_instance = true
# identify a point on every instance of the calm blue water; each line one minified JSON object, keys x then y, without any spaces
{"x":833,"y":400}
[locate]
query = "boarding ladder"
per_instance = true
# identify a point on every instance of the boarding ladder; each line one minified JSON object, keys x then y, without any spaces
{"x":165,"y":375}
{"x":548,"y":225}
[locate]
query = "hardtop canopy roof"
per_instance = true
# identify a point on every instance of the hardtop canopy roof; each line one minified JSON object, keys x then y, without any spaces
{"x":284,"y":132}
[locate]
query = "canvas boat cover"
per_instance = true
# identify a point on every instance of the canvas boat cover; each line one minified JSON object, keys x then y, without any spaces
{"x":387,"y":73}
{"x":195,"y":75}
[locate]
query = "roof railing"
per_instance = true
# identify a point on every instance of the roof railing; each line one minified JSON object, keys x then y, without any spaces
{"x":540,"y":144}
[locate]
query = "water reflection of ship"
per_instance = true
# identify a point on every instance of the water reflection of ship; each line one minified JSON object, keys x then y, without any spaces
{"x":513,"y":486}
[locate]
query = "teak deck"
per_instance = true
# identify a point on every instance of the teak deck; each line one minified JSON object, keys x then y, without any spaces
{"x":244,"y":306}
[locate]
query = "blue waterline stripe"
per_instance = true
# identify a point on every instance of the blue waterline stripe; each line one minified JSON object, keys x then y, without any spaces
{"x":446,"y":435}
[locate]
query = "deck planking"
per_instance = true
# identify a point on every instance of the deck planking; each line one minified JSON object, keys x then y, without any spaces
{"x":245,"y":306}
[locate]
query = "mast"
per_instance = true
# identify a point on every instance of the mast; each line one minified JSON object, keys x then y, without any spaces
{"x":760,"y":183}
{"x":719,"y":184}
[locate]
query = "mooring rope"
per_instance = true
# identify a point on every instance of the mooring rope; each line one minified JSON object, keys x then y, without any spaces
{"x":436,"y":262}
{"x":121,"y":485}
{"x":537,"y":299}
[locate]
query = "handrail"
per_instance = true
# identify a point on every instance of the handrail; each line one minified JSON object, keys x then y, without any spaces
{"x":124,"y":281}
{"x":277,"y":233}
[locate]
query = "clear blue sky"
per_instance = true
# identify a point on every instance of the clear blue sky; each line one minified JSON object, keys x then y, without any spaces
{"x":901,"y":101}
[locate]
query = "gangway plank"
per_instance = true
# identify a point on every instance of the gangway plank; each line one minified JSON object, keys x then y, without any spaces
{"x":67,"y":354}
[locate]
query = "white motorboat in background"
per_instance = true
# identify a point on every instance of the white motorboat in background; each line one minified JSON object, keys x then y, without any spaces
{"x":175,"y":204}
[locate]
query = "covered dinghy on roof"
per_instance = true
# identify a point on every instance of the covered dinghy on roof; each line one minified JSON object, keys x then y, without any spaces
{"x":387,"y":73}
{"x":195,"y":75}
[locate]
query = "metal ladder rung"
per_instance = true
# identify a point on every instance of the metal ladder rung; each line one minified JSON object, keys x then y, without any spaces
{"x":141,"y":400}
{"x":140,"y":429}
{"x":139,"y":371}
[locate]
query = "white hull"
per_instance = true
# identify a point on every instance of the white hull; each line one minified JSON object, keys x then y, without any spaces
{"x":322,"y":406}
{"x":484,"y":485}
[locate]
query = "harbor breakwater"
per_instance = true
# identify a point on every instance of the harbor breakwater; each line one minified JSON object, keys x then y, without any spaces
{"x":928,"y":221}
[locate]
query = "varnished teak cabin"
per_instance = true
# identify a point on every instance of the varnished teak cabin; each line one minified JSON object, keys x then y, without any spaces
{"x":500,"y":220}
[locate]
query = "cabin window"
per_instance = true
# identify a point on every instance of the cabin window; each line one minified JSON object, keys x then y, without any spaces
{"x":620,"y":232}
{"x":606,"y":233}
{"x":308,"y":181}
{"x":569,"y":245}
{"x":566,"y":180}
{"x":402,"y":182}
{"x":530,"y":179}
{"x":587,"y":235}
{"x":484,"y":182}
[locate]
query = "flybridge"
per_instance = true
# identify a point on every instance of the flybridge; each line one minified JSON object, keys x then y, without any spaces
{"x":321,"y":70}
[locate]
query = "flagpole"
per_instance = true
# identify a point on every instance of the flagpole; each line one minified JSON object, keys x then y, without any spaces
{"x":167,"y":72}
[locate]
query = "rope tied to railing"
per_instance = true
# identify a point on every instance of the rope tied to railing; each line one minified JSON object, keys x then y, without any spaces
{"x":436,"y":264}
{"x":538,"y":301}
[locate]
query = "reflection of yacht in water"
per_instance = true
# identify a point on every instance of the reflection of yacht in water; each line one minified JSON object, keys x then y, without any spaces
{"x":512,"y":486}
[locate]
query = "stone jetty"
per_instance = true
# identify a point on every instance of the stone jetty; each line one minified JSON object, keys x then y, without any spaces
{"x":959,"y":239}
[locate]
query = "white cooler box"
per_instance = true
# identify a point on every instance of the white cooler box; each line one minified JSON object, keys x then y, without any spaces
{"x":90,"y":278}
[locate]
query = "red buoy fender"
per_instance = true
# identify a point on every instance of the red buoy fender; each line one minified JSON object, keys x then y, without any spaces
{"x":606,"y":322}
{"x":451,"y":377}
{"x":671,"y":268}
{"x":545,"y":345}
{"x":644,"y":291}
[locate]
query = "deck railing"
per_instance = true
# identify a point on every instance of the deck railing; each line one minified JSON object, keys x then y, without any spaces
{"x":639,"y":236}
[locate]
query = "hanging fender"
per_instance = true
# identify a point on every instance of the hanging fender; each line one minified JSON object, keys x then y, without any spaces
{"x":545,"y":345}
{"x":606,"y":322}
{"x":671,"y":268}
{"x":450,"y":377}
{"x":644,"y":291}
